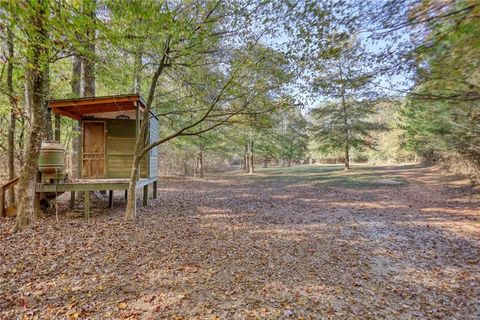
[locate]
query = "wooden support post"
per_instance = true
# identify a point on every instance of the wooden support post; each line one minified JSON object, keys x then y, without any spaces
{"x":135,"y":202}
{"x":3,"y":189}
{"x":145,"y":195}
{"x":80,"y":151}
{"x":72,"y":200}
{"x":137,"y":133}
{"x":110,"y":199}
{"x":86,"y":204}
{"x":154,"y":195}
{"x":36,"y":205}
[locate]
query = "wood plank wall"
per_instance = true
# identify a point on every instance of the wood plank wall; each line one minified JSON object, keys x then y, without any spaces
{"x":120,"y":149}
{"x":153,"y":136}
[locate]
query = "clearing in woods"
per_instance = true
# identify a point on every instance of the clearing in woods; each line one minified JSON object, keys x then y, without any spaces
{"x":300,"y":242}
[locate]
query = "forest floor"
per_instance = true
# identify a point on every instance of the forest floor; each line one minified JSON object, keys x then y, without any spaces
{"x":303,"y":242}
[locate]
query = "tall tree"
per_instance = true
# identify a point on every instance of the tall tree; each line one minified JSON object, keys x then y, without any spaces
{"x":88,"y":62}
{"x":343,"y":76}
{"x":13,"y":111}
{"x":441,"y":117}
{"x":190,"y":55}
{"x":291,"y":136}
{"x":137,"y":70}
{"x":37,"y":14}
{"x":49,"y":135}
{"x":75,"y":85}
{"x":343,"y":126}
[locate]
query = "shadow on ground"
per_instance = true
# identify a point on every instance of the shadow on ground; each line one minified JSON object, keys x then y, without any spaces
{"x":298,"y":242}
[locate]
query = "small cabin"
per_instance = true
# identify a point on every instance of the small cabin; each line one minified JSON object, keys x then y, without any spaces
{"x":109,"y":128}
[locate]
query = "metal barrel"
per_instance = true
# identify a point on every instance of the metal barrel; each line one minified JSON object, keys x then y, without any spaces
{"x":52,"y":157}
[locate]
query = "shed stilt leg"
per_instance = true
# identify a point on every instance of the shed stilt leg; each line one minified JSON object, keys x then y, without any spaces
{"x":145,"y":195}
{"x":135,"y":202}
{"x":110,"y":199}
{"x":154,"y":195}
{"x":87,"y":204}
{"x":36,"y":204}
{"x":72,"y":200}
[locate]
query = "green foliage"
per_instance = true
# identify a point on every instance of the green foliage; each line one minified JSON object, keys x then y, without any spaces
{"x":346,"y":120}
{"x":239,"y":68}
{"x":292,"y":135}
{"x":331,"y":124}
{"x":442,"y":116}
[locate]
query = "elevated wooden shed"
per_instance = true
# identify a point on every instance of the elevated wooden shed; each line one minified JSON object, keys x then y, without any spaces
{"x":109,"y":126}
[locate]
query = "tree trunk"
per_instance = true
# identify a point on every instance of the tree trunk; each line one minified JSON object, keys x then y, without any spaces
{"x":134,"y":176}
{"x":88,"y":63}
{"x":48,"y":114}
{"x":250,"y":157}
{"x":142,"y":134}
{"x":131,"y":194}
{"x":88,"y":80}
{"x":35,"y":72}
{"x":75,"y":82}
{"x":137,"y":71}
{"x":245,"y":158}
{"x":195,"y":169}
{"x":347,"y":155}
{"x":347,"y":138}
{"x":76,"y":90}
{"x":198,"y":172}
{"x":13,"y":118}
{"x":23,"y":127}
{"x":200,"y":162}
{"x":184,"y":166}
{"x":265,"y":162}
{"x":131,"y":209}
{"x":345,"y":123}
{"x":55,"y":135}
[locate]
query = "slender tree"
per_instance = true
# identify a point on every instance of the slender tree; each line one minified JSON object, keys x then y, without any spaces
{"x":343,"y":76}
{"x":291,"y":135}
{"x":214,"y":104}
{"x":36,"y":37}
{"x":75,"y":85}
{"x":88,"y":61}
{"x":13,"y":111}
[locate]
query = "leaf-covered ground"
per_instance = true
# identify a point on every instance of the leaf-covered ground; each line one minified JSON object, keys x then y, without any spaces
{"x":303,"y":242}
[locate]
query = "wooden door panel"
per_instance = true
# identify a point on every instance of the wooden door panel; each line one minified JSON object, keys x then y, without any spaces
{"x":93,"y":149}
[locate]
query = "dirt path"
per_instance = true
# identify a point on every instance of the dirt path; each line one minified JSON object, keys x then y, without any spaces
{"x":304,"y":242}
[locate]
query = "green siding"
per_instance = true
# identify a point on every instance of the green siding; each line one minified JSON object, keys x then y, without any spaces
{"x":153,"y":136}
{"x":120,"y":148}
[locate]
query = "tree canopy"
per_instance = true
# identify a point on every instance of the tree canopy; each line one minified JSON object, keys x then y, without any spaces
{"x":247,"y":82}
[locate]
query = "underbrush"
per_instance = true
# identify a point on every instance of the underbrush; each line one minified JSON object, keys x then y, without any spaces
{"x":465,"y":167}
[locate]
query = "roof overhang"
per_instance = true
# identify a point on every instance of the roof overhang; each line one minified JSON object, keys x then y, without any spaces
{"x":77,"y":108}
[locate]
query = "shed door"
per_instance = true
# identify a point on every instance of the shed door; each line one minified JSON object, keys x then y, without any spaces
{"x":93,"y":160}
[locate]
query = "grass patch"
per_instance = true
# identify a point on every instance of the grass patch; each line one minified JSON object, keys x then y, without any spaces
{"x":358,"y":177}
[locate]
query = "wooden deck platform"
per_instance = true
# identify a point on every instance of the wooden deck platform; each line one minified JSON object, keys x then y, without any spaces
{"x":87,"y":185}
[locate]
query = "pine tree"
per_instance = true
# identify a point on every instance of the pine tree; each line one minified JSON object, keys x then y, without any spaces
{"x":343,"y":77}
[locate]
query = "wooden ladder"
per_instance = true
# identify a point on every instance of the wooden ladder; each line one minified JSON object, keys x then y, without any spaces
{"x":5,"y":187}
